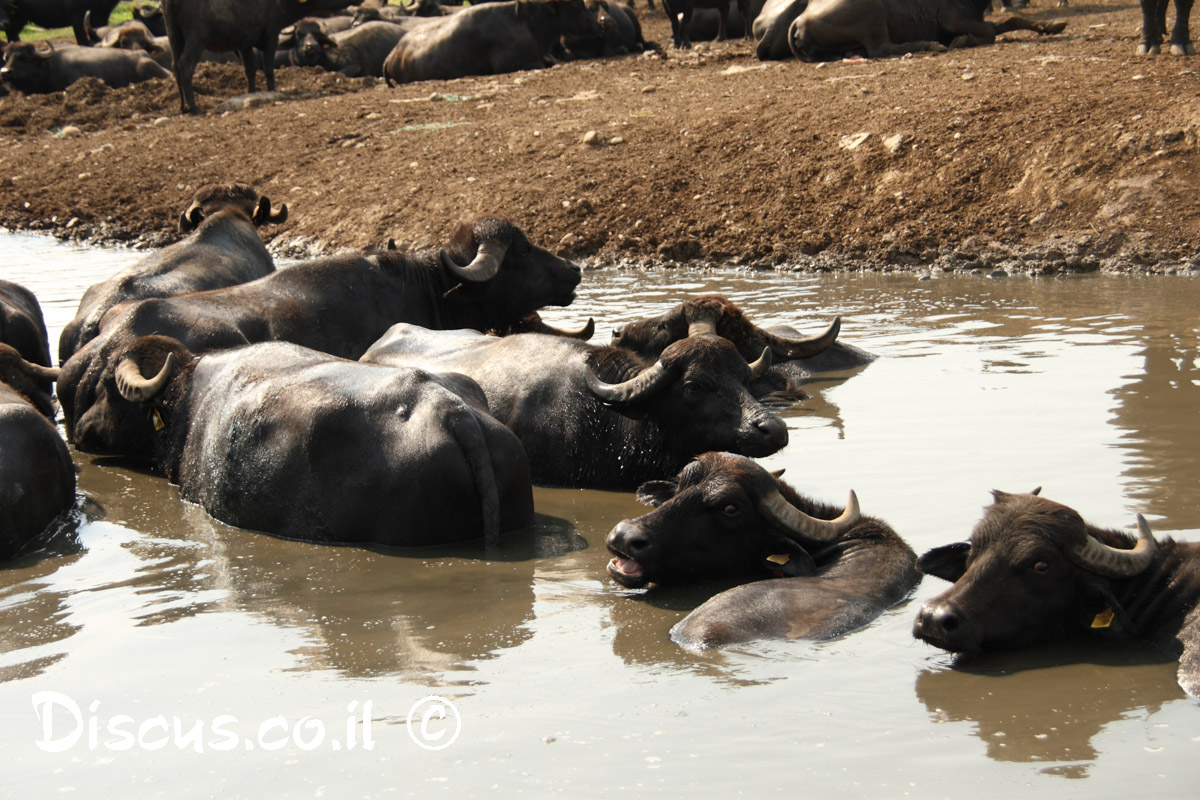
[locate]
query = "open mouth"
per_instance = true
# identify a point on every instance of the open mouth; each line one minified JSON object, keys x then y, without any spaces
{"x":625,"y":571}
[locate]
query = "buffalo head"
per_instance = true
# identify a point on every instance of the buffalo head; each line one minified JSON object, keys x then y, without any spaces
{"x":723,"y":516}
{"x":651,"y":336}
{"x":1032,"y":572}
{"x":239,"y":197}
{"x":28,"y":379}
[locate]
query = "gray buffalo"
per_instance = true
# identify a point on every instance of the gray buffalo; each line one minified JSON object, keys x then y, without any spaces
{"x":277,"y":438}
{"x":194,"y":26}
{"x":43,"y":68}
{"x":816,"y":571}
{"x":355,"y":52}
{"x":1034,"y":572}
{"x":489,"y":39}
{"x":603,"y":417}
{"x":879,"y":28}
{"x":223,"y":249}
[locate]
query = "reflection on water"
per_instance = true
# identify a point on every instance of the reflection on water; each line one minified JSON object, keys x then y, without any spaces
{"x":1086,"y":386}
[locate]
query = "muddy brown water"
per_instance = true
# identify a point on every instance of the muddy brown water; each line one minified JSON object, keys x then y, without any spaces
{"x":204,"y":660}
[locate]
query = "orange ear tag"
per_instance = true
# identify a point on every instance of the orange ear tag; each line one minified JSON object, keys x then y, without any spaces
{"x":1104,"y":618}
{"x":157,"y":419}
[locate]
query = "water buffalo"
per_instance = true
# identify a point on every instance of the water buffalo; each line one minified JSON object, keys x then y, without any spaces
{"x":622,"y":33}
{"x":771,"y":27}
{"x":43,"y":68}
{"x":152,"y":17}
{"x":56,"y":14}
{"x":680,"y":12}
{"x":489,"y":276}
{"x":37,"y":478}
{"x":818,"y":571}
{"x":1034,"y":572}
{"x":194,"y":26}
{"x":223,"y":249}
{"x":878,"y":28}
{"x":354,"y":52}
{"x":1154,"y":24}
{"x":278,"y":438}
{"x":796,"y":357}
{"x":603,"y":417}
{"x":489,"y":39}
{"x":23,"y":328}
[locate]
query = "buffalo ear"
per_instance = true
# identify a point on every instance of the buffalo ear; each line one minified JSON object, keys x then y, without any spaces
{"x":655,"y":493}
{"x":948,"y":562}
{"x":788,"y":559}
{"x":190,"y":220}
{"x":262,"y":213}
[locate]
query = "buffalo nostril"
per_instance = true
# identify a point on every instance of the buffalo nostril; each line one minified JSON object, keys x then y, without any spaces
{"x":940,"y":618}
{"x":628,"y":539}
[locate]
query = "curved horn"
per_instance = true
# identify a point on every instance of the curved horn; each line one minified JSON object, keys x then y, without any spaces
{"x":583,"y":334}
{"x":797,"y":524}
{"x":136,"y":389}
{"x":759,"y":368}
{"x":645,"y":384}
{"x":38,"y":372}
{"x":484,"y":266}
{"x":702,"y":327}
{"x":1115,"y":562}
{"x":805,"y":347}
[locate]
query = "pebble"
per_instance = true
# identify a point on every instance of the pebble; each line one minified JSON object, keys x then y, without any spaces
{"x":70,"y":130}
{"x":592,"y":138}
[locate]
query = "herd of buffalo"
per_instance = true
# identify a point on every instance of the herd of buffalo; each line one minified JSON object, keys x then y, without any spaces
{"x":424,"y":39}
{"x":427,"y":386}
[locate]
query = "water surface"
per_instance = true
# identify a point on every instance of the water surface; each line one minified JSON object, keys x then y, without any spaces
{"x":567,"y":684}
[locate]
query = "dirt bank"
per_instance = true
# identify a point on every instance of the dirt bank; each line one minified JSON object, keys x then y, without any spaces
{"x":1039,"y":153}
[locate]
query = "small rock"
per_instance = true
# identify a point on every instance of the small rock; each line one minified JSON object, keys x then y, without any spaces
{"x":855,"y":140}
{"x":968,"y":76}
{"x":894,"y":142}
{"x":70,"y":130}
{"x":160,"y":121}
{"x":617,"y":140}
{"x":592,"y":138}
{"x":72,"y":222}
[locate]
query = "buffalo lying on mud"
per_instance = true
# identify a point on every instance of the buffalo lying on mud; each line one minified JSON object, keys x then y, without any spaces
{"x":603,"y":417}
{"x":277,"y":438}
{"x":37,"y":477}
{"x":489,"y":276}
{"x":726,"y":517}
{"x":878,"y":28}
{"x":1035,"y":572}
{"x":223,"y":249}
{"x":43,"y":68}
{"x":16,"y":14}
{"x":489,"y":39}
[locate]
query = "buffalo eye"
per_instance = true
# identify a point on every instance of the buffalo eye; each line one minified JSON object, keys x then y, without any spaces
{"x":732,"y":510}
{"x":1041,"y":567}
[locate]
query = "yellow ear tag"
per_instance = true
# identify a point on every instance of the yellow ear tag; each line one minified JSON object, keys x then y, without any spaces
{"x":1104,"y":618}
{"x":780,"y":559}
{"x":157,"y":419}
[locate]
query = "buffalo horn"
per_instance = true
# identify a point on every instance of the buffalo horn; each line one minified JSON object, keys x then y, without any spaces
{"x":1115,"y":562}
{"x":262,"y":213}
{"x":787,"y":347}
{"x":702,"y":327}
{"x":483,"y":267}
{"x":646,"y":383}
{"x":791,"y":520}
{"x":583,"y":334}
{"x":38,"y":372}
{"x":136,"y":389}
{"x":759,"y":368}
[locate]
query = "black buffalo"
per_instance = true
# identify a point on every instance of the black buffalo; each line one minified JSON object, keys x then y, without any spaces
{"x":56,"y":14}
{"x":818,"y":571}
{"x":355,"y":52}
{"x":223,"y":249}
{"x":796,"y":357}
{"x":23,"y":328}
{"x":43,"y":68}
{"x":680,"y":12}
{"x":194,"y":26}
{"x":603,"y":417}
{"x":489,"y":276}
{"x":489,"y":39}
{"x":1035,"y":572}
{"x":878,"y":28}
{"x":1154,"y":24}
{"x":278,"y":438}
{"x":622,"y":32}
{"x":37,"y":478}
